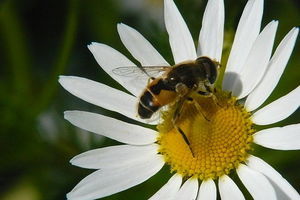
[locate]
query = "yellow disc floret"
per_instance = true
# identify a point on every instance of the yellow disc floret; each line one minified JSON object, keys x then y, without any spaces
{"x":218,"y":131}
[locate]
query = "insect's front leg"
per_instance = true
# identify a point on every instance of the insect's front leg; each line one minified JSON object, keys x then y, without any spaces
{"x":198,"y":107}
{"x":178,"y":110}
{"x":175,"y":119}
{"x":205,"y":89}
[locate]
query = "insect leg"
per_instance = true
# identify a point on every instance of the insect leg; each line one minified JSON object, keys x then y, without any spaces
{"x":210,"y":93}
{"x":174,"y":121}
{"x":215,"y":99}
{"x":198,"y":107}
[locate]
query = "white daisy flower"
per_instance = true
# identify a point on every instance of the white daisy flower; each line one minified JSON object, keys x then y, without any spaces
{"x":221,"y":145}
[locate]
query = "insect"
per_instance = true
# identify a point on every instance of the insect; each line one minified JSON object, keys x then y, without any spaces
{"x":175,"y":84}
{"x":176,"y":81}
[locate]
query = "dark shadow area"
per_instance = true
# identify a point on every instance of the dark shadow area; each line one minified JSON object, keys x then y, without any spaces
{"x":234,"y":82}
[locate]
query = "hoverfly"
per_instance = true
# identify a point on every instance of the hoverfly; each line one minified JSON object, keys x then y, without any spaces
{"x":174,"y":83}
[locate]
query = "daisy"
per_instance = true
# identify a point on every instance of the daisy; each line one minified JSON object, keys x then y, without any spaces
{"x":221,"y":145}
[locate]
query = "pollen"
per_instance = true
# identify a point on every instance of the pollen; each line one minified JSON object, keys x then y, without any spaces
{"x":218,"y":134}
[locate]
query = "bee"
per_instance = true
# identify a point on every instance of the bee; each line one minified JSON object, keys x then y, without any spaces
{"x":175,"y":83}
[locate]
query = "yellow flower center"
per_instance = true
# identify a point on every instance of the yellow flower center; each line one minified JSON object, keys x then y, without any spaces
{"x":218,"y":135}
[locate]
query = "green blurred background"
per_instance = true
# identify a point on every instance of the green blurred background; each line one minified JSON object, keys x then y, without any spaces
{"x":41,"y":40}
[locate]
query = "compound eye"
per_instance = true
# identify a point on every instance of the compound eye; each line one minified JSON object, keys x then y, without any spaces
{"x":210,"y":68}
{"x":212,"y":76}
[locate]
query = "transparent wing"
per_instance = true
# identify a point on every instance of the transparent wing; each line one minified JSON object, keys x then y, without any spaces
{"x":142,"y":72}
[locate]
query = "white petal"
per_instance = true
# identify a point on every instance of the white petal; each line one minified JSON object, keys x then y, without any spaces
{"x":101,"y":95}
{"x":168,"y":191}
{"x":279,"y":109}
{"x":246,"y":33}
{"x":256,"y":62}
{"x":229,"y":190}
{"x":274,"y":71}
{"x":112,"y":128}
{"x":279,"y":193}
{"x":256,"y":183}
{"x":109,"y":59}
{"x":114,"y":156}
{"x":188,"y":191}
{"x":139,"y":47}
{"x":207,"y":190}
{"x":211,"y":36}
{"x":282,"y":138}
{"x":110,"y":181}
{"x":264,"y":168}
{"x":180,"y":38}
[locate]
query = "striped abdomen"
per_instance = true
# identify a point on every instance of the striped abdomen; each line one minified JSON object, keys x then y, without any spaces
{"x":156,"y":95}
